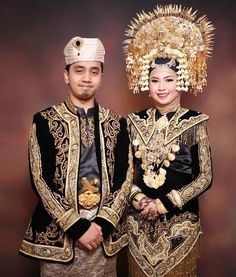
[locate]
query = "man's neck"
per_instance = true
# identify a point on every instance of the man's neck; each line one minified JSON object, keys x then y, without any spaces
{"x":84,"y":104}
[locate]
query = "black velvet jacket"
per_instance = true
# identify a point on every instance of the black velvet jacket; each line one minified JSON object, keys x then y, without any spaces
{"x":54,"y":154}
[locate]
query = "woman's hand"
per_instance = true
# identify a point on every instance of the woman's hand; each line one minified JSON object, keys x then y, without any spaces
{"x":148,"y":208}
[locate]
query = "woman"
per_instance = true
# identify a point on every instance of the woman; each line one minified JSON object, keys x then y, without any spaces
{"x":166,"y":53}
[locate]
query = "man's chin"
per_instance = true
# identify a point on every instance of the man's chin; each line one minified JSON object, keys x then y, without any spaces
{"x":85,"y":96}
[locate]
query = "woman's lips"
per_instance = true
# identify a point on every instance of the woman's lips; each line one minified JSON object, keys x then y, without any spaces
{"x":162,"y":95}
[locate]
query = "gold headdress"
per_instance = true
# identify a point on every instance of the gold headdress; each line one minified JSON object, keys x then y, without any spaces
{"x":171,"y":32}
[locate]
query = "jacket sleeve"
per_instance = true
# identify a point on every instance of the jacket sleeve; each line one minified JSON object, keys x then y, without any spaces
{"x":42,"y":157}
{"x":201,"y":171}
{"x":110,"y":213}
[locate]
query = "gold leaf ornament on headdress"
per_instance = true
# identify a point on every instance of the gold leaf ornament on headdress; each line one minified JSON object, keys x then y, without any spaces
{"x":173,"y":32}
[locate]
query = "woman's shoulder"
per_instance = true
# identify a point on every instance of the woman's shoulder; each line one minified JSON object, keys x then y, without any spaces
{"x":193,"y":114}
{"x":141,"y":113}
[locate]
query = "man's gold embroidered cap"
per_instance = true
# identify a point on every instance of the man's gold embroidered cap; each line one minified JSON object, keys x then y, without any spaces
{"x":84,"y":49}
{"x":173,"y":32}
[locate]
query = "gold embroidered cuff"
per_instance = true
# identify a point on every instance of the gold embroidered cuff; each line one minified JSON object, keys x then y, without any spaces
{"x":176,"y":198}
{"x":68,"y":219}
{"x":136,"y":200}
{"x":134,"y":190}
{"x":160,"y":207}
{"x":109,"y":214}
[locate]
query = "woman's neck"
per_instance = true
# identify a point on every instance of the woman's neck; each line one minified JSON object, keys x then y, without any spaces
{"x":171,"y":107}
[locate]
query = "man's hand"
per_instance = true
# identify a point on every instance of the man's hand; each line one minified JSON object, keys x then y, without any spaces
{"x":92,"y":238}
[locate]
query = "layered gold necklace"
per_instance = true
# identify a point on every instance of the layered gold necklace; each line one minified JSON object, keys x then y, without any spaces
{"x":155,"y":155}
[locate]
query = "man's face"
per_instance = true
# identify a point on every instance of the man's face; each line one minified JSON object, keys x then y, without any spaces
{"x":84,"y":79}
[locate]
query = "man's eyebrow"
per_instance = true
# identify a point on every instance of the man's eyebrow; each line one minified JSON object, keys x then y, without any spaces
{"x":95,"y":67}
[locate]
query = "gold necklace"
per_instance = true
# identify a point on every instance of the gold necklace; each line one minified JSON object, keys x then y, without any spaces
{"x":155,"y":154}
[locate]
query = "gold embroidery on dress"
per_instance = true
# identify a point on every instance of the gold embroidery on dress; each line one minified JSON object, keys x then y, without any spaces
{"x":144,"y":126}
{"x":87,"y":131}
{"x":178,"y":126}
{"x":204,"y":178}
{"x":159,"y":246}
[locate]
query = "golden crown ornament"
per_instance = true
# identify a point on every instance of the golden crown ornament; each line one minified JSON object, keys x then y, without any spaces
{"x":173,"y":32}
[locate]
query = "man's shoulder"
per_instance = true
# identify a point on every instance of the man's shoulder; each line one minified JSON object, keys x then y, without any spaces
{"x":107,"y":114}
{"x":48,"y":111}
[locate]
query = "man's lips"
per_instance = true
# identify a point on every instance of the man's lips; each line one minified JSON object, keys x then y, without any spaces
{"x":85,"y":87}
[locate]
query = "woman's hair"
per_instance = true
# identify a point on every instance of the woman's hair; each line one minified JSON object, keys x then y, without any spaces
{"x":164,"y":62}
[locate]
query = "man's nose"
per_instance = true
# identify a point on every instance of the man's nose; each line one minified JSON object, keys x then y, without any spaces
{"x":87,"y":76}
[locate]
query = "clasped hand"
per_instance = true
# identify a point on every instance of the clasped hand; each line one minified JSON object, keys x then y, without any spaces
{"x":92,"y":238}
{"x":148,"y":208}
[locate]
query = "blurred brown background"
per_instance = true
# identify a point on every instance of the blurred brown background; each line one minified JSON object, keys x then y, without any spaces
{"x":33,"y":36}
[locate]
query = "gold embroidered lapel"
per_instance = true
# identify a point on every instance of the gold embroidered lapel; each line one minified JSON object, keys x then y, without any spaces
{"x":144,"y":126}
{"x":74,"y":151}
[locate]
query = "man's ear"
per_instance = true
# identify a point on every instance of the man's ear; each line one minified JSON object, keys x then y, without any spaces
{"x":66,"y":77}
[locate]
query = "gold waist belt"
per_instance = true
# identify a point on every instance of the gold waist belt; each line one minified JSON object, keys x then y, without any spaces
{"x":89,"y":194}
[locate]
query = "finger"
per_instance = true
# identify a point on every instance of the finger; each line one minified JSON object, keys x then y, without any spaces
{"x":93,"y":244}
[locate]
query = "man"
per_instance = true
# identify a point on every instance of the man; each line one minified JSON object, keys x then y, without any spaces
{"x":78,"y":154}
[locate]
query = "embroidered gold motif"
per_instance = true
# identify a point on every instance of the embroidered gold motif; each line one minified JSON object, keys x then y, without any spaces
{"x":204,"y":178}
{"x":145,"y":127}
{"x":87,"y":131}
{"x":64,"y":254}
{"x":156,"y":249}
{"x":73,"y":153}
{"x":114,"y":213}
{"x":177,"y":126}
{"x":111,"y":129}
{"x":59,"y":131}
{"x":52,"y":236}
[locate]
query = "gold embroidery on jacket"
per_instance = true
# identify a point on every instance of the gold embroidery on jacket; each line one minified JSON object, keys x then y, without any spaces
{"x":48,"y":252}
{"x":103,"y":115}
{"x":112,"y":212}
{"x":51,"y":236}
{"x":87,"y":131}
{"x":111,"y":129}
{"x":59,"y":131}
{"x":73,"y":154}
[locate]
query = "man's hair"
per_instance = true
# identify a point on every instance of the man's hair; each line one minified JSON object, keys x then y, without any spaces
{"x":67,"y":68}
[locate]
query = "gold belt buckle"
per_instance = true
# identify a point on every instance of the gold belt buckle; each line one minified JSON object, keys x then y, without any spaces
{"x":89,"y":195}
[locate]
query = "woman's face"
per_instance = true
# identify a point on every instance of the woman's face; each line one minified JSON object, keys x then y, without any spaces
{"x":162,"y":86}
